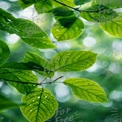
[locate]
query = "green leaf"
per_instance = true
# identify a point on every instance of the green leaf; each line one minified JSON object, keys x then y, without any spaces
{"x":23,"y":81}
{"x":61,"y":12}
{"x":22,"y":66}
{"x":99,"y":13}
{"x":86,"y":89}
{"x":40,"y":105}
{"x":27,"y":30}
{"x":31,"y":57}
{"x":67,"y":28}
{"x":7,"y":103}
{"x":4,"y":52}
{"x":109,"y":3}
{"x":26,"y":3}
{"x":72,"y":61}
{"x":113,"y":27}
{"x":81,"y":2}
{"x":43,"y":6}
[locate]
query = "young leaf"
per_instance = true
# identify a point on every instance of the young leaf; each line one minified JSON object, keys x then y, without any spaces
{"x":72,"y":61}
{"x":31,"y":57}
{"x":27,"y":30}
{"x":99,"y":13}
{"x":108,"y":3}
{"x":67,"y":28}
{"x":113,"y":27}
{"x":4,"y":52}
{"x":6,"y":103}
{"x":86,"y":89}
{"x":23,"y":81}
{"x":43,"y":6}
{"x":40,"y":105}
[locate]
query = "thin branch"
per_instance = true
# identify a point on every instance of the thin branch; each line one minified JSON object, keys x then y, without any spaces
{"x":76,"y":9}
{"x":35,"y":83}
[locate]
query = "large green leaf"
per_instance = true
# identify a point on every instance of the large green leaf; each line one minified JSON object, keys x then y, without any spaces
{"x":109,"y":3}
{"x":7,"y":103}
{"x":26,"y":3}
{"x":72,"y":61}
{"x":67,"y":28}
{"x":86,"y":89}
{"x":4,"y":52}
{"x":43,"y":6}
{"x":23,"y":81}
{"x":31,"y":57}
{"x":98,"y":13}
{"x":40,"y":105}
{"x":27,"y":30}
{"x":113,"y":27}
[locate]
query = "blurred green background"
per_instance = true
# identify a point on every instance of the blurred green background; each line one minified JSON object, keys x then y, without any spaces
{"x":107,"y":70}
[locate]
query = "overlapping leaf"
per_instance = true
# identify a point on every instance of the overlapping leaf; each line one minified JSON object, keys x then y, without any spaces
{"x":40,"y":105}
{"x":22,"y":80}
{"x":108,"y":3}
{"x":72,"y":61}
{"x":4,"y":52}
{"x":43,"y":6}
{"x":86,"y":89}
{"x":113,"y":27}
{"x":99,"y":13}
{"x":67,"y":28}
{"x":42,"y":63}
{"x":27,"y":30}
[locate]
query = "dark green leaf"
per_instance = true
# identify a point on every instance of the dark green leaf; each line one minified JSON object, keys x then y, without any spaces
{"x":99,"y":13}
{"x":67,"y":28}
{"x":23,"y":81}
{"x":40,"y":105}
{"x":61,"y":12}
{"x":22,"y":66}
{"x":7,"y":103}
{"x":86,"y":89}
{"x":72,"y":61}
{"x":113,"y":27}
{"x":81,"y":2}
{"x":4,"y":52}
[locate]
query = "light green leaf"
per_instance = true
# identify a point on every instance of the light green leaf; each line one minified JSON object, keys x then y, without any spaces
{"x":113,"y":27}
{"x":23,"y":81}
{"x":27,"y":30}
{"x":99,"y":13}
{"x":7,"y":103}
{"x":31,"y":57}
{"x":67,"y":28}
{"x":43,"y":6}
{"x":4,"y":52}
{"x":108,"y":3}
{"x":72,"y":61}
{"x":40,"y":105}
{"x":67,"y":2}
{"x":86,"y":89}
